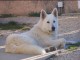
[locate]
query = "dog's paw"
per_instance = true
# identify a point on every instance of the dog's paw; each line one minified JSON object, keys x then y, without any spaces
{"x":47,"y":50}
{"x":50,"y":49}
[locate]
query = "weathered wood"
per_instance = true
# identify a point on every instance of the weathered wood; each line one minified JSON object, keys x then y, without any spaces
{"x":65,"y":55}
{"x":75,"y":55}
{"x":70,"y":56}
{"x":39,"y":57}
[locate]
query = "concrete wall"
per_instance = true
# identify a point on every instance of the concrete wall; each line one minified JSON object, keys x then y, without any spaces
{"x":25,"y":7}
{"x":71,"y":6}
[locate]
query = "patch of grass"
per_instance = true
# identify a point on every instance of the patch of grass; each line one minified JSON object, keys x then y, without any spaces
{"x":10,"y":26}
{"x":7,"y":15}
{"x":34,"y":14}
{"x":73,"y":46}
{"x":25,"y":28}
{"x":76,"y":44}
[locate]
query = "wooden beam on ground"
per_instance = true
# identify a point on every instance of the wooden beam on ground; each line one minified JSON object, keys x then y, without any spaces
{"x":71,"y":55}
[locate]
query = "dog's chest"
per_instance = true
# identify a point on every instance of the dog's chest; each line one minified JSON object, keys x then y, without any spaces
{"x":41,"y":39}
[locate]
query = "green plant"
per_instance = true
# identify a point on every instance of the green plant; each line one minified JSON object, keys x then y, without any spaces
{"x":34,"y":14}
{"x":76,"y":44}
{"x":12,"y":23}
{"x":7,"y":15}
{"x":10,"y":26}
{"x":25,"y":28}
{"x":73,"y":46}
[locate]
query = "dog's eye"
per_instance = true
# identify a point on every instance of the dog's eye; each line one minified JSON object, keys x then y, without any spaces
{"x":53,"y":21}
{"x":48,"y":22}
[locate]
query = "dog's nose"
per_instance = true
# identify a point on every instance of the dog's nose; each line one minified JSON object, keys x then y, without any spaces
{"x":53,"y":28}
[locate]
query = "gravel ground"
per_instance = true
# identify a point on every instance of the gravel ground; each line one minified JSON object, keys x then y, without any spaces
{"x":69,"y":28}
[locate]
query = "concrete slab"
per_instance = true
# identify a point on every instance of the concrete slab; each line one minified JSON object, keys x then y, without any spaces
{"x":69,"y":29}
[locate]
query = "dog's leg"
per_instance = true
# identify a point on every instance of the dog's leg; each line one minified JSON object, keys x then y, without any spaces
{"x":26,"y":49}
{"x":57,"y":44}
{"x":50,"y":49}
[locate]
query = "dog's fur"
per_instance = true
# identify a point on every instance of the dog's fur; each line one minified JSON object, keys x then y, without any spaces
{"x":42,"y":35}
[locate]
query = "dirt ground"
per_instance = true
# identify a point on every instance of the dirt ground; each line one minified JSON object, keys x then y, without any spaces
{"x":69,"y":28}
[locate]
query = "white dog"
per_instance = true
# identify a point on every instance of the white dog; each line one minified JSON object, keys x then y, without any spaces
{"x":42,"y":35}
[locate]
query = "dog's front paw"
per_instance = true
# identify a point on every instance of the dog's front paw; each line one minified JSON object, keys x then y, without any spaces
{"x":50,"y":49}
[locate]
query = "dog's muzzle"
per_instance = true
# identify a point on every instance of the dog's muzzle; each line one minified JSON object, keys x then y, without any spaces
{"x":53,"y":28}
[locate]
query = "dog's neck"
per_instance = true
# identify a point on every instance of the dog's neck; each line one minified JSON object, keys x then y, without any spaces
{"x":37,"y":28}
{"x":37,"y":31}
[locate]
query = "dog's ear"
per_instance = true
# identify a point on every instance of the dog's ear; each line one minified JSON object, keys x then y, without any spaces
{"x":43,"y":14}
{"x":55,"y":12}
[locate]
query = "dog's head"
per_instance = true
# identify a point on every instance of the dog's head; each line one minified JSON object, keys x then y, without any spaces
{"x":49,"y":22}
